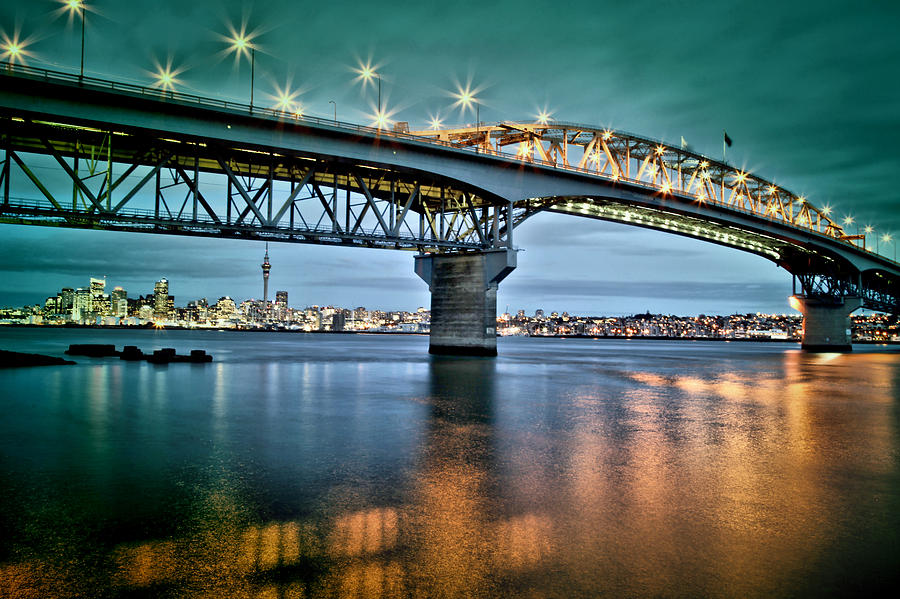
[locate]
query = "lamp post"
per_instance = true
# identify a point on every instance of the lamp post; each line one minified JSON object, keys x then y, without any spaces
{"x":466,"y":98}
{"x":367,"y":74}
{"x":886,"y":238}
{"x":241,"y":44}
{"x":335,"y":110}
{"x":79,"y":7}
{"x":14,"y":50}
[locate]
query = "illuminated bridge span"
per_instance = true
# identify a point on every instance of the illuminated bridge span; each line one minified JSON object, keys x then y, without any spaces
{"x":90,"y":153}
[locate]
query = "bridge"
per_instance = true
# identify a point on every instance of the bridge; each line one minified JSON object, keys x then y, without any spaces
{"x":91,"y":153}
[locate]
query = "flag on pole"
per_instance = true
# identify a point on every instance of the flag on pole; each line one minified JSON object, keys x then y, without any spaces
{"x":727,"y":139}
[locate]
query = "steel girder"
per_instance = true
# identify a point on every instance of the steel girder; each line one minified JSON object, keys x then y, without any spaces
{"x":830,"y":282}
{"x":627,"y":158}
{"x":88,"y":177}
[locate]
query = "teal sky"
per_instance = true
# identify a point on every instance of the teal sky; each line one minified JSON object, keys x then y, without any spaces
{"x":807,"y":90}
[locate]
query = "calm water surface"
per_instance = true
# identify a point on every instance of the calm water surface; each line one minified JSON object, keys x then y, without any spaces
{"x":301,"y":465}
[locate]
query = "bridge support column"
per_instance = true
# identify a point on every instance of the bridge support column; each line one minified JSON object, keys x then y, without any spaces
{"x":826,"y":326}
{"x":464,"y":299}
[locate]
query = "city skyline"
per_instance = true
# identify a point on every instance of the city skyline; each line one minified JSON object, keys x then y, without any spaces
{"x":800,"y":110}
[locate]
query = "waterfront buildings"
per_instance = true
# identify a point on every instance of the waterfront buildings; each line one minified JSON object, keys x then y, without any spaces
{"x":92,"y":306}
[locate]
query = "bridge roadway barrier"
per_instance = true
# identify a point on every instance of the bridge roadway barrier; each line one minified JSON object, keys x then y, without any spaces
{"x":826,"y":326}
{"x":464,"y":299}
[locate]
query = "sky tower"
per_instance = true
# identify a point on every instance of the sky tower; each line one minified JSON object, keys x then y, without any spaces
{"x":266,"y":267}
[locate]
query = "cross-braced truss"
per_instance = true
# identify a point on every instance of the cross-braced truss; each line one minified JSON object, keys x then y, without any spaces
{"x":88,"y":177}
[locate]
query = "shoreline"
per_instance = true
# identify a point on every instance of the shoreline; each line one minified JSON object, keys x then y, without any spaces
{"x":571,"y":336}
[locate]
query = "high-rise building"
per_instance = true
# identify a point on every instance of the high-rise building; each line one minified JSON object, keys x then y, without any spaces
{"x":66,"y":297}
{"x":51,"y":305}
{"x":81,"y":304}
{"x":338,"y":320}
{"x":97,"y":287}
{"x":119,"y":302}
{"x":280,"y":311}
{"x":265,"y":268}
{"x":161,"y":299}
{"x":100,"y":304}
{"x":224,"y":308}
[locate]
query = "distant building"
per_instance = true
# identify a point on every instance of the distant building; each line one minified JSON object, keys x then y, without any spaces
{"x":81,"y":304}
{"x":224,"y":308}
{"x":66,"y":297}
{"x":99,"y":300}
{"x":97,"y":286}
{"x":119,"y":302}
{"x":266,"y":267}
{"x":51,"y":305}
{"x":161,"y":299}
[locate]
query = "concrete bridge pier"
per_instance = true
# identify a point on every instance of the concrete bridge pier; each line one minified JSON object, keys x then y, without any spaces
{"x":464,"y":299}
{"x":826,"y":325}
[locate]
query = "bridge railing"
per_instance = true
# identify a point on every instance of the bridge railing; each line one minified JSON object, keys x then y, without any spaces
{"x":280,"y":115}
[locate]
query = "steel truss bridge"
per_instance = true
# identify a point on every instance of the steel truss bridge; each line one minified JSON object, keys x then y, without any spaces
{"x":90,"y":153}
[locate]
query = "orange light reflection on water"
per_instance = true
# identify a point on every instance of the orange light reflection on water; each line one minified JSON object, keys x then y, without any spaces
{"x":711,"y":484}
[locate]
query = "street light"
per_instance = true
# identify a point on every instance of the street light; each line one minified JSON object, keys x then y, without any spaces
{"x":466,"y":98}
{"x":335,"y":110}
{"x":12,"y":50}
{"x":887,"y":238}
{"x":868,"y":230}
{"x":166,"y":75}
{"x":241,"y":45}
{"x":368,"y":73}
{"x":77,"y":6}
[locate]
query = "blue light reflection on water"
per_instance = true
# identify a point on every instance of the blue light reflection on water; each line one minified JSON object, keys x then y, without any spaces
{"x":564,"y":468}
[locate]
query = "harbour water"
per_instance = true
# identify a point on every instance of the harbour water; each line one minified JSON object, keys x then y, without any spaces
{"x":299,"y":465}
